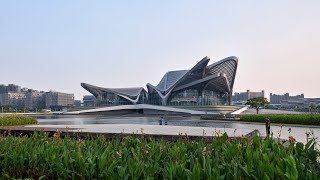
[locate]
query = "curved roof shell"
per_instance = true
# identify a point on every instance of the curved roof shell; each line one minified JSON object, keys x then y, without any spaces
{"x":218,"y":76}
{"x":131,"y":94}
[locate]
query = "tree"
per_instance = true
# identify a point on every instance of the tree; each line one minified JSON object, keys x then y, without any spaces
{"x":257,"y":103}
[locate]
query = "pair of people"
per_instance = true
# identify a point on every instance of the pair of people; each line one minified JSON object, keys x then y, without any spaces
{"x":162,"y":122}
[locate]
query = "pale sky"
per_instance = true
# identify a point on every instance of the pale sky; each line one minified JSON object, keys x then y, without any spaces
{"x":59,"y":44}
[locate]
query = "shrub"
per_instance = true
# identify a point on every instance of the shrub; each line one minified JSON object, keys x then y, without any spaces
{"x":307,"y":119}
{"x":40,"y":156}
{"x":17,"y":120}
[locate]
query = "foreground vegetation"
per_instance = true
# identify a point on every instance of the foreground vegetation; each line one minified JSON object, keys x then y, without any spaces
{"x":17,"y":120}
{"x":307,"y":119}
{"x":40,"y":156}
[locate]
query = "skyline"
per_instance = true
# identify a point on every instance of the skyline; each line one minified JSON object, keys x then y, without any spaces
{"x":58,"y":45}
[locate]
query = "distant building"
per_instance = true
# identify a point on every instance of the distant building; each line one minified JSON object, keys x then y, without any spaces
{"x":3,"y":88}
{"x":13,"y":88}
{"x":10,"y":88}
{"x":311,"y":102}
{"x":16,"y":99}
{"x":299,"y":103}
{"x":58,"y":99}
{"x":89,"y":101}
{"x":11,"y":95}
{"x":35,"y":99}
{"x":276,"y":99}
{"x":16,"y":96}
{"x":77,"y":103}
{"x":243,"y":97}
{"x":4,"y":99}
{"x":291,"y":102}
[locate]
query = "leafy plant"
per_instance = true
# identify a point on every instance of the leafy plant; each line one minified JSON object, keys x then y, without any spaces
{"x":40,"y":156}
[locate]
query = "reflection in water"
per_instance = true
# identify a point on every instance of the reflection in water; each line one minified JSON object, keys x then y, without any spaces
{"x":297,"y":131}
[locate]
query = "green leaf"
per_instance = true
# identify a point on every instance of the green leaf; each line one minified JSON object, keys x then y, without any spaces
{"x":42,"y":177}
{"x":244,"y":169}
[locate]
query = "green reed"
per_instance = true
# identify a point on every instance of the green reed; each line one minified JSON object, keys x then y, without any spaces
{"x":40,"y":156}
{"x":17,"y":120}
{"x":307,"y":119}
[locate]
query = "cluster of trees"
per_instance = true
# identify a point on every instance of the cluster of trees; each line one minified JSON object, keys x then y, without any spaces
{"x":9,"y":108}
{"x":261,"y":102}
{"x":310,"y":109}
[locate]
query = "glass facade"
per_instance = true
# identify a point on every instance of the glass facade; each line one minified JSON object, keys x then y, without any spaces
{"x":143,"y":98}
{"x":111,"y":99}
{"x":193,"y":97}
{"x":154,"y":98}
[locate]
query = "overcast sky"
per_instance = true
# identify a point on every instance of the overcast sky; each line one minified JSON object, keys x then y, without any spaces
{"x":59,"y":44}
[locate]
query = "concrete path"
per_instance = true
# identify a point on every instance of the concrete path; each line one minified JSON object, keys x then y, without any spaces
{"x":138,"y":107}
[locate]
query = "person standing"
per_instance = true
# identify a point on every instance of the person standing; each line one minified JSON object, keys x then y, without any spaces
{"x":268,"y":125}
{"x":161,"y":121}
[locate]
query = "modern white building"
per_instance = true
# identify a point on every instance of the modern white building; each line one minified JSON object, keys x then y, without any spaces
{"x":201,"y":85}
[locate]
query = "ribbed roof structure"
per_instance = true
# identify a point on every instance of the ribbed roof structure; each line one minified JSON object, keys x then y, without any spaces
{"x":219,"y":76}
{"x":170,"y":78}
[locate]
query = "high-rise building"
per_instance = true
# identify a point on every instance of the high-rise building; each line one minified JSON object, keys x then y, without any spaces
{"x":3,"y":88}
{"x":13,"y":88}
{"x":11,"y":95}
{"x":16,"y":96}
{"x":10,"y":88}
{"x":4,"y":99}
{"x":311,"y":102}
{"x":243,"y":97}
{"x":35,"y":99}
{"x":277,"y":99}
{"x":58,"y":99}
{"x":15,"y":99}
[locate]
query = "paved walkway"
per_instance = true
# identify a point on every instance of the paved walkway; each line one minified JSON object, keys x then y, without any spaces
{"x":149,"y":129}
{"x":138,"y":107}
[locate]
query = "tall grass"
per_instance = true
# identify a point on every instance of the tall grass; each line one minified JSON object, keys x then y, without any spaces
{"x":307,"y":119}
{"x":17,"y":120}
{"x":40,"y":156}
